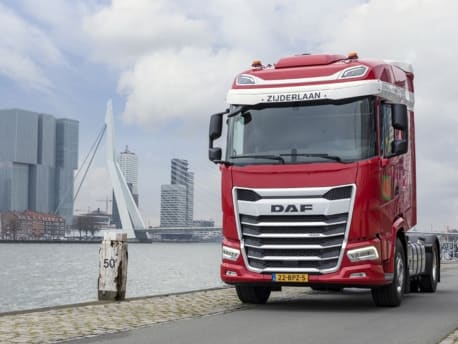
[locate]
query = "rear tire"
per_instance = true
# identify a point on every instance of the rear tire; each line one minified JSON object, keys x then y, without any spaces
{"x":391,"y":295}
{"x":428,"y":282}
{"x":251,"y":294}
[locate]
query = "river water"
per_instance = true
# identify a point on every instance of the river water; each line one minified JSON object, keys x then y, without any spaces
{"x":42,"y":275}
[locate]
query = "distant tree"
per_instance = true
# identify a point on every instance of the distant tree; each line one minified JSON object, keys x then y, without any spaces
{"x":87,"y":224}
{"x":13,"y":224}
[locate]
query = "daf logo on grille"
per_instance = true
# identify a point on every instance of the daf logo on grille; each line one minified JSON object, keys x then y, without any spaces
{"x":290,"y":208}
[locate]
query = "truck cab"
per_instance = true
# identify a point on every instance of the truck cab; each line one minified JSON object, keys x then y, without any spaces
{"x":318,"y":179}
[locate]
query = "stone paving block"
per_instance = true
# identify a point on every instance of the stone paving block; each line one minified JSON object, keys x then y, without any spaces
{"x":62,"y":324}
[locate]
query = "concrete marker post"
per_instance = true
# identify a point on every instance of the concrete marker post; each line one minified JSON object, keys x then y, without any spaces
{"x":113,"y":258}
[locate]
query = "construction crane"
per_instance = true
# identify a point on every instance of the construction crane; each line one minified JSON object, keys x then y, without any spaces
{"x":107,"y":201}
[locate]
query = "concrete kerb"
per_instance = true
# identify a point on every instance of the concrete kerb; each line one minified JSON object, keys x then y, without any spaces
{"x":96,"y":303}
{"x":452,"y":338}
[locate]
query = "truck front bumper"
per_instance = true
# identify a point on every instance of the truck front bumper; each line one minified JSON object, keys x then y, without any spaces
{"x":364,"y":274}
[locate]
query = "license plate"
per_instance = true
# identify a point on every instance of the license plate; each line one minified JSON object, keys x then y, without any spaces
{"x":292,"y":278}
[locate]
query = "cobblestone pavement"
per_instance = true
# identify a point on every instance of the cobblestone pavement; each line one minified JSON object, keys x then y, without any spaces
{"x":61,"y":324}
{"x":86,"y":320}
{"x":451,"y":339}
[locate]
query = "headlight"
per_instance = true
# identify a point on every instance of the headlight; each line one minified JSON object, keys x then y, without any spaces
{"x":354,"y":72}
{"x":230,"y":253}
{"x":244,"y":79}
{"x":365,"y":253}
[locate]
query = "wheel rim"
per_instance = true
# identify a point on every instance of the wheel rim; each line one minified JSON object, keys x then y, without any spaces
{"x":399,"y":274}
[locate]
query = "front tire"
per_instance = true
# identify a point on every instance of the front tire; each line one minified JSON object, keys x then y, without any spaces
{"x":391,"y":295}
{"x":251,"y":294}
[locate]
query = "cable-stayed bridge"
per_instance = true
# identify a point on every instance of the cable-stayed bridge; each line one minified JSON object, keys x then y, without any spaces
{"x":130,"y":216}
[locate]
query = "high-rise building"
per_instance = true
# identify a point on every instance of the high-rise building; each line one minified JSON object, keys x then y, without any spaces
{"x":38,"y":156}
{"x":66,"y":163}
{"x":173,"y":206}
{"x":128,"y":164}
{"x":177,"y":199}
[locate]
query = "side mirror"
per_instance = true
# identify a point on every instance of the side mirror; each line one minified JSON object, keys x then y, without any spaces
{"x":216,"y":126}
{"x":214,"y":154}
{"x":399,"y":118}
{"x":399,"y":147}
{"x":214,"y":132}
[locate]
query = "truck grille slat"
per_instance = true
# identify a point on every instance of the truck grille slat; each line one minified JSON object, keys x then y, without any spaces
{"x":295,"y":224}
{"x":329,"y":220}
{"x":309,"y":258}
{"x":278,"y":265}
{"x":293,"y":247}
{"x":311,"y":231}
{"x":291,"y":235}
{"x":289,"y":242}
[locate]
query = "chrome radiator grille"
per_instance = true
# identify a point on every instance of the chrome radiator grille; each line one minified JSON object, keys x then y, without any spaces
{"x":294,"y":230}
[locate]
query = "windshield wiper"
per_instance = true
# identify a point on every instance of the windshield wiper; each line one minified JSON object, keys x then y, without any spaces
{"x":315,"y":155}
{"x":259,"y":156}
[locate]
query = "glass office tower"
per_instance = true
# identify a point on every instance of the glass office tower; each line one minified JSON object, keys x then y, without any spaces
{"x":38,"y":156}
{"x":177,"y":199}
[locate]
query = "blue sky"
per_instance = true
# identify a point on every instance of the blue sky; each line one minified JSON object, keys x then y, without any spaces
{"x":167,"y":65}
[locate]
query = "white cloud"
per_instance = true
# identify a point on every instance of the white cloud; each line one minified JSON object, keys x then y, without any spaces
{"x":170,"y":85}
{"x":63,"y":21}
{"x":269,"y":29}
{"x":25,"y":50}
{"x":178,"y":59}
{"x":127,"y":30}
{"x":23,"y":70}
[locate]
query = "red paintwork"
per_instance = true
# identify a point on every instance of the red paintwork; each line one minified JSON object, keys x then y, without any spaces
{"x":308,"y":60}
{"x":378,"y":215}
{"x":377,"y":70}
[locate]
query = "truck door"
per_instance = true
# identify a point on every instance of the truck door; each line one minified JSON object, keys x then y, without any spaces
{"x":390,"y":171}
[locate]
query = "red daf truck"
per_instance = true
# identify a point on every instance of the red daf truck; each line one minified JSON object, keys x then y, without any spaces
{"x":318,"y":179}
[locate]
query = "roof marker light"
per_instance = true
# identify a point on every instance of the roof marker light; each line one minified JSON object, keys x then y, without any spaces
{"x":352,"y":55}
{"x":256,"y":64}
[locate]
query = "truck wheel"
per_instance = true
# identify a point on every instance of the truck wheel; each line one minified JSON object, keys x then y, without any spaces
{"x":391,"y":295}
{"x":428,"y":282}
{"x":250,"y":294}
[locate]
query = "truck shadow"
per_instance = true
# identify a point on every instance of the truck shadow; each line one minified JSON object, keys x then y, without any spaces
{"x":348,"y":300}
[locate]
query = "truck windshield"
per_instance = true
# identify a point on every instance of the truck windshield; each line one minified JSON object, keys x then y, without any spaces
{"x":291,"y":133}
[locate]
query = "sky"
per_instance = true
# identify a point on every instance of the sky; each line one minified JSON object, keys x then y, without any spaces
{"x":167,"y":65}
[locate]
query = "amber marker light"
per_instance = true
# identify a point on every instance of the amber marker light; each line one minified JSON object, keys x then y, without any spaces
{"x":256,"y":64}
{"x":353,"y":55}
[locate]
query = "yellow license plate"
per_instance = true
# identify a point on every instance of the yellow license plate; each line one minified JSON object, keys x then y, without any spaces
{"x":292,"y":278}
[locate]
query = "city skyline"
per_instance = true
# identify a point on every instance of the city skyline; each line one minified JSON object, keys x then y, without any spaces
{"x":38,"y":157}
